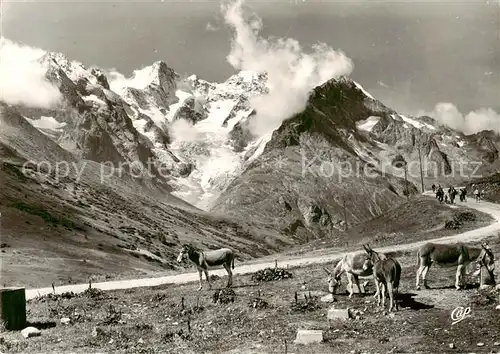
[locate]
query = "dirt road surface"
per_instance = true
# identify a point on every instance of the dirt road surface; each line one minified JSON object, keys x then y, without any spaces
{"x":470,"y":236}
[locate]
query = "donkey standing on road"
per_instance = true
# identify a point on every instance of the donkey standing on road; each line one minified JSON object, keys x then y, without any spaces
{"x":458,"y":255}
{"x":352,"y":265}
{"x":386,"y":274}
{"x":205,"y":260}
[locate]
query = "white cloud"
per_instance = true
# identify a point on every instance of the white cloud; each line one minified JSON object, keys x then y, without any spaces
{"x":211,"y":27}
{"x":22,"y":76}
{"x":475,"y":121}
{"x":292,"y":72}
{"x":181,"y":130}
{"x":383,"y":84}
{"x":139,"y":79}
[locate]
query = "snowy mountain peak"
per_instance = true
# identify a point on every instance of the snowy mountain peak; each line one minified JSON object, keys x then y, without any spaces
{"x":158,"y":74}
{"x":74,"y":70}
{"x":248,"y":81}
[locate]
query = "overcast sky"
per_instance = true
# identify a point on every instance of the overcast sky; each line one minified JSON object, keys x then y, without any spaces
{"x":409,"y":54}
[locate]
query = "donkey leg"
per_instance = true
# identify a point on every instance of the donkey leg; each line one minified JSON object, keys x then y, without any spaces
{"x":356,"y":280}
{"x":390,"y":290}
{"x":351,"y":290}
{"x":459,"y":275}
{"x":363,"y":291}
{"x":201,"y":278}
{"x":384,"y":290}
{"x":377,"y":289}
{"x":229,"y":274}
{"x":419,"y":274}
{"x":377,"y":294}
{"x":208,"y":278}
{"x":424,"y":275}
{"x":396,"y":295}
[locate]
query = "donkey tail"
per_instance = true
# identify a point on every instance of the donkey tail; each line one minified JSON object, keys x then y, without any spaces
{"x":232,"y":263}
{"x":418,"y":259}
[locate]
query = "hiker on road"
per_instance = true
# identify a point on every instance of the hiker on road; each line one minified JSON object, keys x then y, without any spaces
{"x":440,"y":194}
{"x":477,"y":195}
{"x":463,"y":193}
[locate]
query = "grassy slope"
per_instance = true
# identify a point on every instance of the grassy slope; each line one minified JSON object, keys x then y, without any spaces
{"x":150,"y":317}
{"x":97,"y":232}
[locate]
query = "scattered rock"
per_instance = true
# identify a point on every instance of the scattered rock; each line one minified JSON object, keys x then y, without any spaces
{"x":451,"y":345}
{"x":496,"y":343}
{"x":224,"y":296}
{"x":258,"y":303}
{"x":308,"y":336}
{"x":29,"y":332}
{"x":65,"y":321}
{"x":271,"y":274}
{"x":353,"y":313}
{"x":140,"y":341}
{"x":328,"y":298}
{"x":335,"y":314}
{"x":94,"y":293}
{"x":480,"y":344}
{"x":497,"y":308}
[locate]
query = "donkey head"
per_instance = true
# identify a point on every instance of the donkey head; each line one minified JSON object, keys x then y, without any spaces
{"x":184,"y":251}
{"x":372,"y":258}
{"x":486,"y":257}
{"x":333,"y":281}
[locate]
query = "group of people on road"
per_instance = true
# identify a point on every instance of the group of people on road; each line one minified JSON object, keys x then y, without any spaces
{"x":449,"y":197}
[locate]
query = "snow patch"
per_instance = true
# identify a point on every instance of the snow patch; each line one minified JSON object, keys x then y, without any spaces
{"x":48,"y":123}
{"x":173,"y":108}
{"x":94,"y":98}
{"x":140,"y":79}
{"x":416,"y":123}
{"x":367,"y":124}
{"x":363,"y":90}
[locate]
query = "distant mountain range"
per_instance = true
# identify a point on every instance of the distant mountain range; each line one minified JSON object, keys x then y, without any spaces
{"x":210,"y":179}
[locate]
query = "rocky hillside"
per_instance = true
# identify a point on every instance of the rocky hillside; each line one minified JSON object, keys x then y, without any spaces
{"x":489,"y":186}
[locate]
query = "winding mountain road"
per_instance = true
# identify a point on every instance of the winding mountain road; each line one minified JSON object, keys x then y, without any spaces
{"x":473,"y":235}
